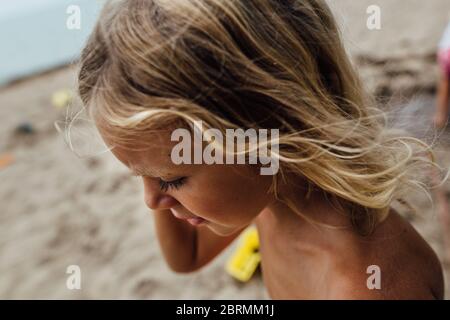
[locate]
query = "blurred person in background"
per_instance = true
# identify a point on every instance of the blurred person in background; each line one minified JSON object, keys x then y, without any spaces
{"x":441,"y":114}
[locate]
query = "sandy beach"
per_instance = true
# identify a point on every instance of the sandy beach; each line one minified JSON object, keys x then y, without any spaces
{"x":58,"y":209}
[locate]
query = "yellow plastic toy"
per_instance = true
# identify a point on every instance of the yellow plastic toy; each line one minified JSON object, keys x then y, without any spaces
{"x":245,"y":260}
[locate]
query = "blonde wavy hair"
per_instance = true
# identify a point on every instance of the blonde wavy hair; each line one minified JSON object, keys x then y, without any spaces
{"x":256,"y":64}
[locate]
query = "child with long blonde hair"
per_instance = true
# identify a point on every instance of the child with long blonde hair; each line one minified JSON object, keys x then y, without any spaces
{"x":325,"y":217}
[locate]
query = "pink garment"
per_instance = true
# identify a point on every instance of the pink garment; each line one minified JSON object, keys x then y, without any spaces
{"x":444,"y":51}
{"x":444,"y":60}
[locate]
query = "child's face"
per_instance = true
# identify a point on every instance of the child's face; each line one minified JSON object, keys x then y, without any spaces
{"x":227,"y":196}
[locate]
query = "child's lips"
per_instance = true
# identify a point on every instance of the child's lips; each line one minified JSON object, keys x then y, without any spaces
{"x":195,"y":221}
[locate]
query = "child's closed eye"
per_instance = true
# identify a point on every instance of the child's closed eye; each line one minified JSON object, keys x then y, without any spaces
{"x":177,"y":183}
{"x":165,"y":185}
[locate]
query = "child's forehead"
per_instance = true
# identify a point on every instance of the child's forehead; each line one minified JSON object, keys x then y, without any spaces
{"x":155,"y":165}
{"x":139,"y":152}
{"x":137,"y":140}
{"x":152,"y":162}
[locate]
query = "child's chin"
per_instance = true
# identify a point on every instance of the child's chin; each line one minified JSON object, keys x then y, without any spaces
{"x":222,"y":230}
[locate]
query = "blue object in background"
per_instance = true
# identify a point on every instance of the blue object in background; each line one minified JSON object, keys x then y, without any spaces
{"x":34,"y":36}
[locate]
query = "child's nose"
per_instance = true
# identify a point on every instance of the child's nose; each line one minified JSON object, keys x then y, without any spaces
{"x":160,"y":202}
{"x":155,"y":199}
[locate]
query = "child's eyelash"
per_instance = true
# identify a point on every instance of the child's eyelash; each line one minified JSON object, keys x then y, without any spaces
{"x":165,"y":185}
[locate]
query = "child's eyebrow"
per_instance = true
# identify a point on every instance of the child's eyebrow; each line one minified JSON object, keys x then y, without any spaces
{"x":136,"y":171}
{"x":141,"y":172}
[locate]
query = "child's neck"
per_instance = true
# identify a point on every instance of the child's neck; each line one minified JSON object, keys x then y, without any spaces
{"x":313,"y":234}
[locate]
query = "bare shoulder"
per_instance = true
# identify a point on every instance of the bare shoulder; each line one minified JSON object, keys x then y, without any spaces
{"x":397,"y":264}
{"x":352,"y":291}
{"x":419,"y":261}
